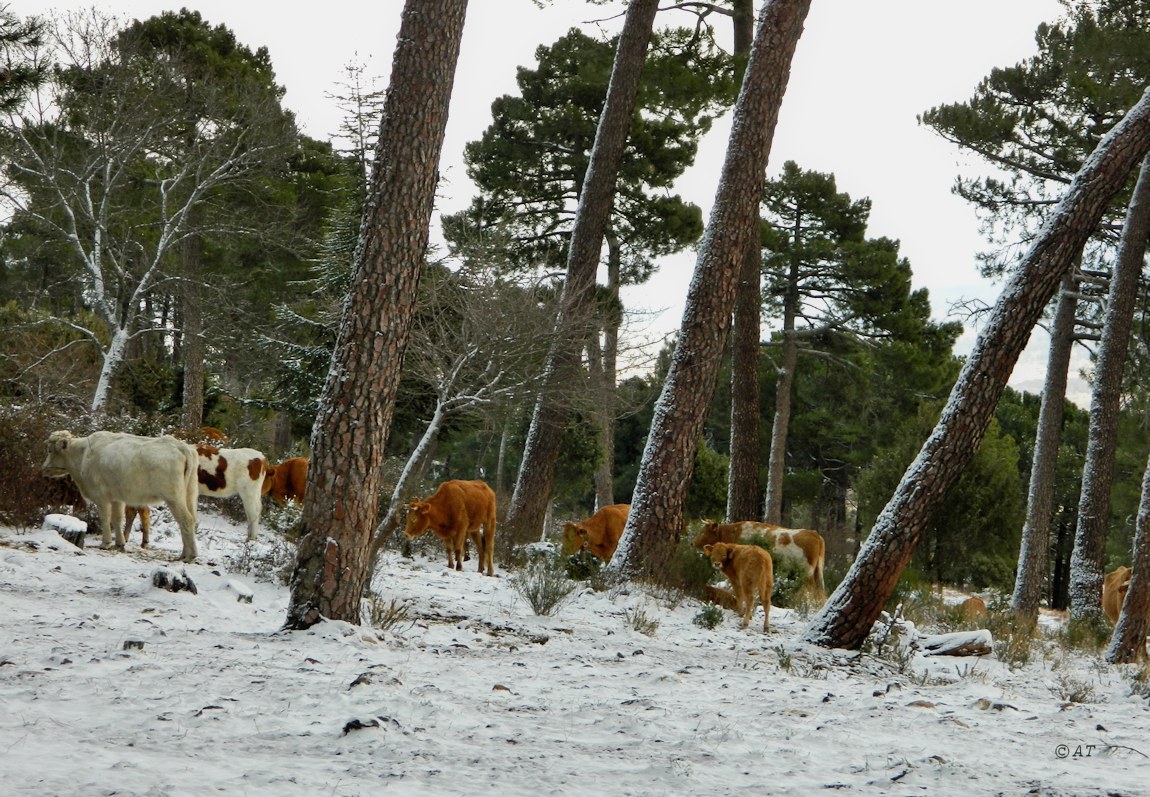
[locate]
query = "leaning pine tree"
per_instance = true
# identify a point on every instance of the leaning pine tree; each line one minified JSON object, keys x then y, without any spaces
{"x":847,"y":617}
{"x":665,"y":470}
{"x":334,"y":561}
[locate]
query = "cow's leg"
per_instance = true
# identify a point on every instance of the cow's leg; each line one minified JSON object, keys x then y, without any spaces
{"x":746,"y":603}
{"x":187,"y":523}
{"x":252,"y":508}
{"x":460,"y":543}
{"x":765,"y":599}
{"x":477,"y":541}
{"x":130,"y":513}
{"x":449,"y":546}
{"x":105,"y":511}
{"x":145,"y":524}
{"x":116,"y":521}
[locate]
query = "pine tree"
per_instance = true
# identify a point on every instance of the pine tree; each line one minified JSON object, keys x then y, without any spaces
{"x":333,"y":565}
{"x":657,"y":506}
{"x":846,"y":619}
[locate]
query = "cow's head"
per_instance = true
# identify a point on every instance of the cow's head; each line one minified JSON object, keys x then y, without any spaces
{"x":269,"y":479}
{"x":708,"y":536}
{"x":418,"y":518}
{"x":56,"y":464}
{"x":720,"y":554}
{"x":574,"y":538}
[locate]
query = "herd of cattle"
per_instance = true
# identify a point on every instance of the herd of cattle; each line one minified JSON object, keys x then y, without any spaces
{"x":122,"y":474}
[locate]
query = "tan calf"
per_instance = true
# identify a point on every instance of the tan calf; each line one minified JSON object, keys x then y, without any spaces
{"x":747,"y":567}
{"x":1114,"y":587}
{"x":806,"y":547}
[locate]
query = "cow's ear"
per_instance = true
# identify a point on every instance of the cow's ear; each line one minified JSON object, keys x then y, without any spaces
{"x":707,"y":549}
{"x":582,"y":532}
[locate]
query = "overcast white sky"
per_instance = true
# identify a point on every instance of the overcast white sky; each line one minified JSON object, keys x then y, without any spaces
{"x":862,"y":72}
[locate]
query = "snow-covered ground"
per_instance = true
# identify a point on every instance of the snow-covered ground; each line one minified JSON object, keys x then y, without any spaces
{"x":111,"y":686}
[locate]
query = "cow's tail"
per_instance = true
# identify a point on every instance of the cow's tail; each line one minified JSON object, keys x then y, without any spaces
{"x":192,"y":483}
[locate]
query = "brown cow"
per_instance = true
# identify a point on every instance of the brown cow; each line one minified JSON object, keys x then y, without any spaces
{"x":286,"y":481}
{"x":1114,"y":587}
{"x":747,"y":567}
{"x":205,"y":435}
{"x":145,"y":514}
{"x":598,"y":534}
{"x":455,"y":512}
{"x":804,"y":546}
{"x":973,"y":608}
{"x":722,"y":597}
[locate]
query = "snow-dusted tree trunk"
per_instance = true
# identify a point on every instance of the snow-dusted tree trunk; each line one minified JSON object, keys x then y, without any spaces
{"x":847,"y":617}
{"x":535,"y":482}
{"x":1034,"y":552}
{"x":1128,"y":643}
{"x":333,"y":565}
{"x":656,"y":516}
{"x":1087,"y":562}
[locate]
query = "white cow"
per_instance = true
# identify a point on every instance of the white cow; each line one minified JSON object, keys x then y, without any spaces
{"x":225,"y":472}
{"x":114,"y":469}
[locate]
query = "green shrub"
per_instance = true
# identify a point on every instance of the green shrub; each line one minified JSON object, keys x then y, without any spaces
{"x":708,"y":617}
{"x":638,"y":620}
{"x":543,"y":584}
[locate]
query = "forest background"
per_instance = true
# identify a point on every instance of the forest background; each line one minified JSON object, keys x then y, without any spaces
{"x":221,"y":264}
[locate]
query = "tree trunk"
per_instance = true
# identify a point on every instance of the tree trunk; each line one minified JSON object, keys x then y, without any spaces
{"x":193,"y":315}
{"x":1087,"y":563}
{"x":533,"y":487}
{"x":113,"y":358}
{"x":411,"y":468}
{"x":609,"y":357}
{"x":1128,"y":643}
{"x":656,"y":516}
{"x":743,"y":471}
{"x":777,"y":461}
{"x":847,"y":617}
{"x":333,"y":566}
{"x":1035,"y":550}
{"x":1060,"y":581}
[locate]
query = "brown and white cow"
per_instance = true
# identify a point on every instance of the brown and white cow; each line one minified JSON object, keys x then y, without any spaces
{"x":114,"y":469}
{"x":286,"y":481}
{"x":225,"y":472}
{"x":598,"y":534}
{"x":748,"y":568}
{"x":455,"y":512}
{"x":806,"y":547}
{"x":1114,"y":587}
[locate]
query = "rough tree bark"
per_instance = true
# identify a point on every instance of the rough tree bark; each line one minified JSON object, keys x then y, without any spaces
{"x":1128,"y":643}
{"x":847,"y":617}
{"x":1034,"y":552}
{"x":333,"y":565}
{"x":533,"y":486}
{"x":743,"y":472}
{"x":1087,"y":562}
{"x":665,"y":470}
